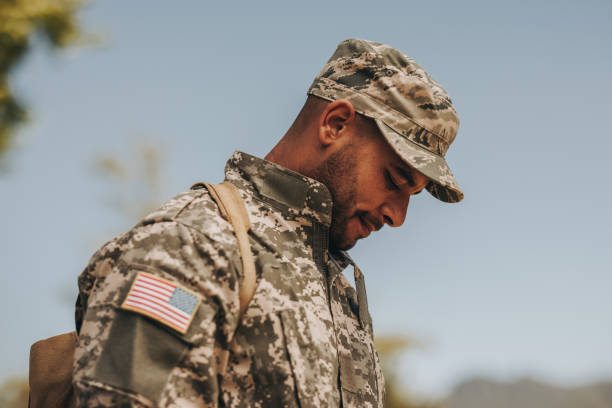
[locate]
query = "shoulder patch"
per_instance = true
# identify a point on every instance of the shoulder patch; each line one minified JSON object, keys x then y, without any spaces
{"x":162,"y":300}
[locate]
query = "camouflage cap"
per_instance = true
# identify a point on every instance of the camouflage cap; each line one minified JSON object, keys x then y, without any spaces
{"x":412,"y":111}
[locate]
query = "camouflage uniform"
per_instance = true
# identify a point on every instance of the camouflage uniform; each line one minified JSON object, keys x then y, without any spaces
{"x":305,"y":339}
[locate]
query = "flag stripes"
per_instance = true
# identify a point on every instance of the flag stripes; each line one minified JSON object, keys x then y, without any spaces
{"x":159,"y":299}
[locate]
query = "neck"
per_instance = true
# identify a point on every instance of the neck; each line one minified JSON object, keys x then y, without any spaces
{"x":281,"y":154}
{"x":291,"y":153}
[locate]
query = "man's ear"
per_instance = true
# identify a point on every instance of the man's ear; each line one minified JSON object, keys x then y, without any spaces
{"x":334,"y":121}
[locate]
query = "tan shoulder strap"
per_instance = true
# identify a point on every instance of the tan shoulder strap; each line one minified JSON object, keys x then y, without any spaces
{"x":232,"y":208}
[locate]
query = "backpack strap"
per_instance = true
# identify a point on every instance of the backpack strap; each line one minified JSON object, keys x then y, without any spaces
{"x":233,"y":210}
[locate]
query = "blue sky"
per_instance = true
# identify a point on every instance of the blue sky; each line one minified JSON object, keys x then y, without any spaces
{"x":513,"y":281}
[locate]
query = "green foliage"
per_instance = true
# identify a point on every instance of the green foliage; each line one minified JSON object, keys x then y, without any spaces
{"x":19,"y":21}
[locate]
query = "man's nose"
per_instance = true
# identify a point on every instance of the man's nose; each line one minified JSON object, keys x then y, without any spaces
{"x":394,"y":212}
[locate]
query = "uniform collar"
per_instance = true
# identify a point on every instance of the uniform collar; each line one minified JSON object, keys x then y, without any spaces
{"x":342,"y":259}
{"x":291,"y":192}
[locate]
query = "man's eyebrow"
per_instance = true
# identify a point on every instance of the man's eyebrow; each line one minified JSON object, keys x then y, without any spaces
{"x":405,"y":175}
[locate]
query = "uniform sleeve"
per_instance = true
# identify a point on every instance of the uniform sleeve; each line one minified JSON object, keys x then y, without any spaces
{"x":133,"y":353}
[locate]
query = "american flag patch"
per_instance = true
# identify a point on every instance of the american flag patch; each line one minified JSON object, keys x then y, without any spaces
{"x":162,"y":300}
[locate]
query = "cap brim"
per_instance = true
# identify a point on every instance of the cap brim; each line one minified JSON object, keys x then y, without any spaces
{"x":443,"y":185}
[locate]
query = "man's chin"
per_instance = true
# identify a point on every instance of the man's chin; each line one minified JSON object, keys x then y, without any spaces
{"x":341,"y":244}
{"x":342,"y":235}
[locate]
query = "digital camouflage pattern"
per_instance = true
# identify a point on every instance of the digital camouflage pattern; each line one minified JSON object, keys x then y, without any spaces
{"x":305,"y":339}
{"x":412,"y":111}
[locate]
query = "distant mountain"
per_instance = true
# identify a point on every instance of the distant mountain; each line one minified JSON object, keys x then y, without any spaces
{"x":526,"y":393}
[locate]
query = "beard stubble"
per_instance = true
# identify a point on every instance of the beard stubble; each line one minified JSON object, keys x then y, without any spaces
{"x":338,"y":173}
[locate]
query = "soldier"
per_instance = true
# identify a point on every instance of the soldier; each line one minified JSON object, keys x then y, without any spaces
{"x":373,"y":132}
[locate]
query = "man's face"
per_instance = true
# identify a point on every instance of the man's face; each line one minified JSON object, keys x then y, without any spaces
{"x":370,"y":185}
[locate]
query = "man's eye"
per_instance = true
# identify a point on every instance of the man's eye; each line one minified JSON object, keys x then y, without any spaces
{"x":390,"y":183}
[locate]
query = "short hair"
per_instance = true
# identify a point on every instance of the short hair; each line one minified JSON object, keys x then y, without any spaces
{"x":312,"y":109}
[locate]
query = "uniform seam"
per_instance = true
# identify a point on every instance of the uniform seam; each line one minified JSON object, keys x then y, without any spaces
{"x":231,"y":255}
{"x":188,"y":204}
{"x":290,"y":359}
{"x":91,"y":382}
{"x":177,"y":222}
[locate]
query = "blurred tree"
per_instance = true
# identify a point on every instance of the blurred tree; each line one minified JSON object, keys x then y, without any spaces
{"x":389,"y":349}
{"x":134,"y":176}
{"x":19,"y":21}
{"x":137,"y":179}
{"x":14,"y":393}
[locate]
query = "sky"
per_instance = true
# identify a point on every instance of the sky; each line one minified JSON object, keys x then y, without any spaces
{"x":514,"y":281}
